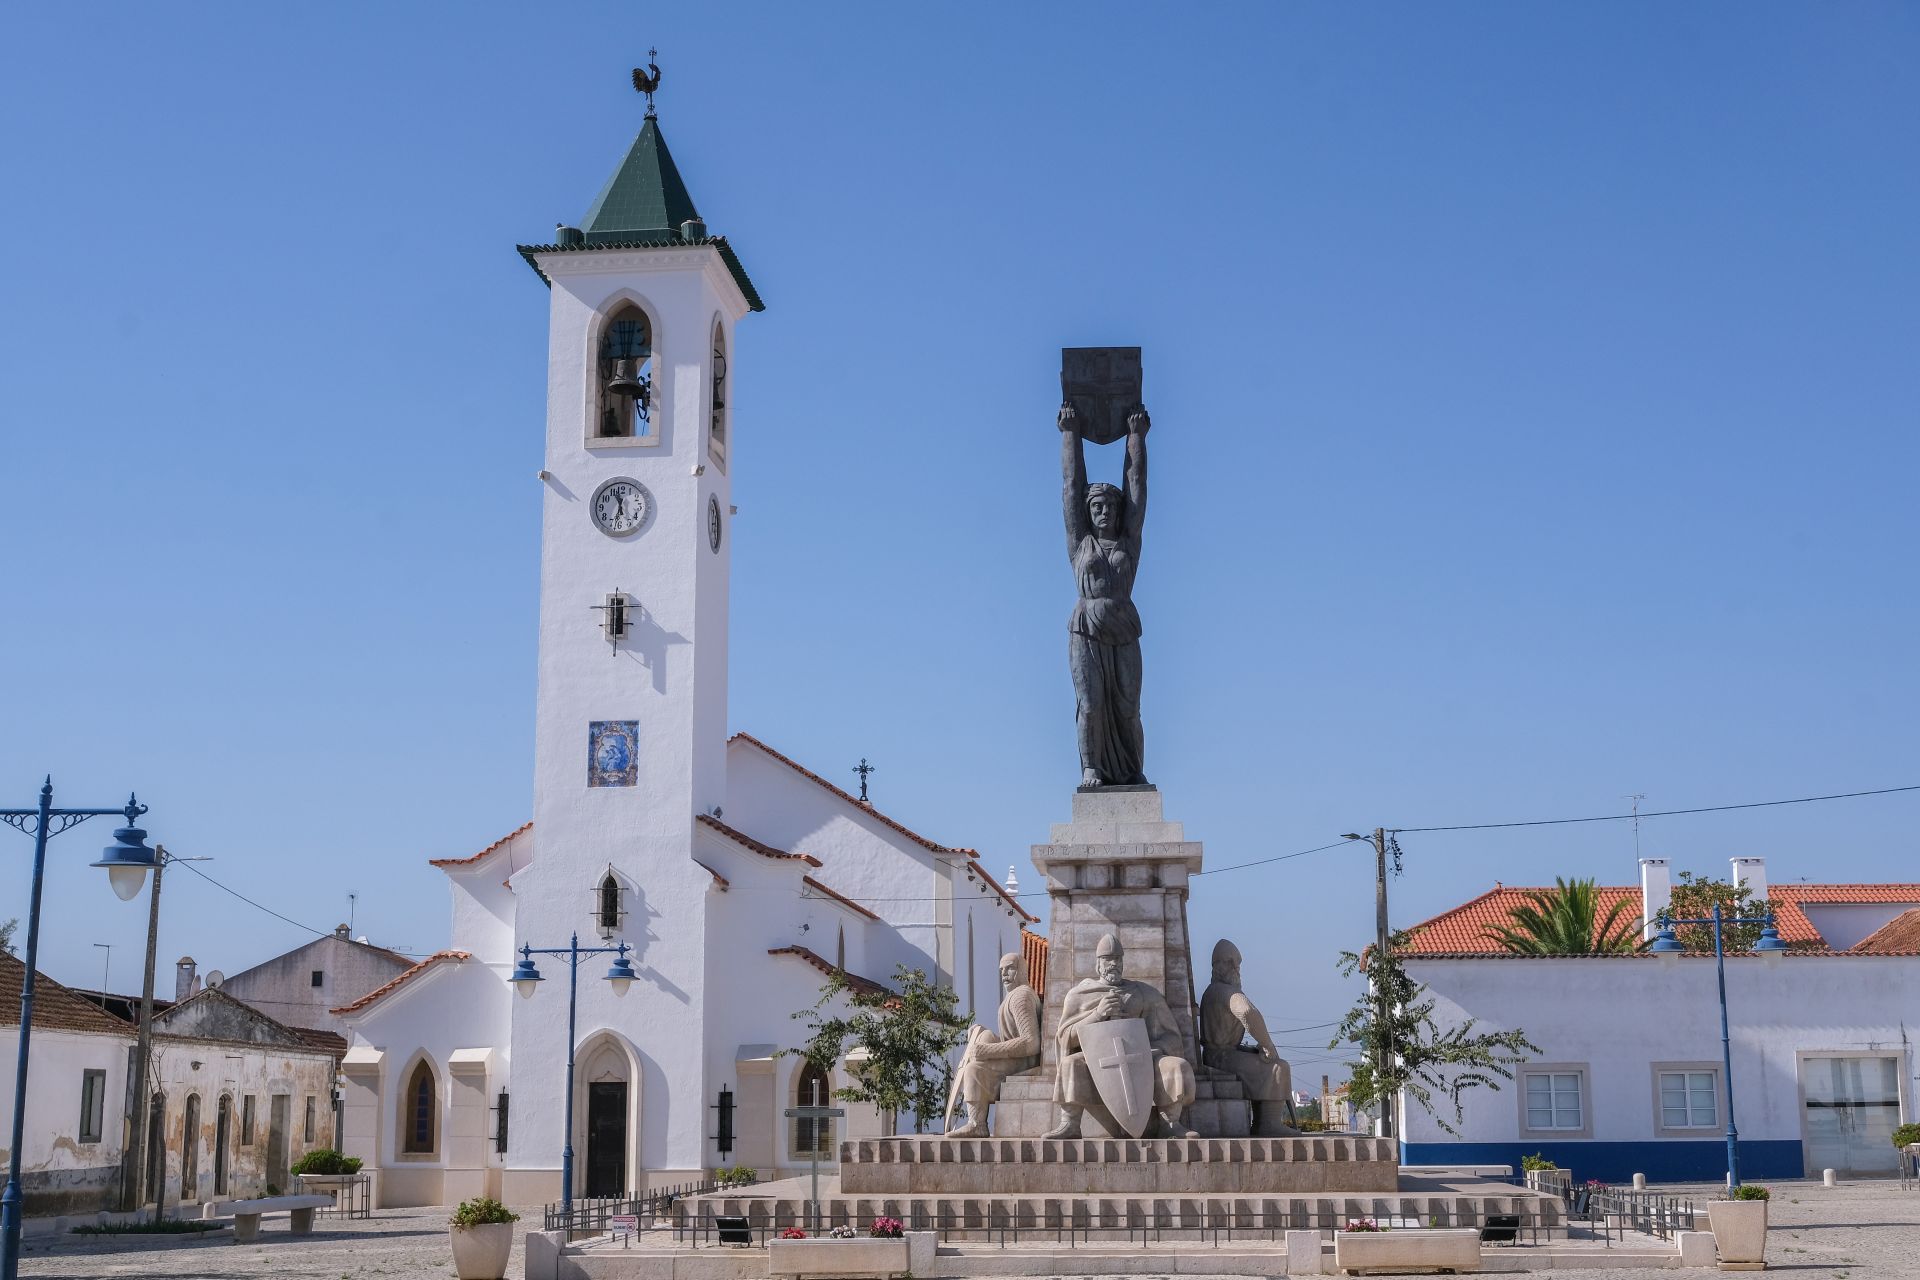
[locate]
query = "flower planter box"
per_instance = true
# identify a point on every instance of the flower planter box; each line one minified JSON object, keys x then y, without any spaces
{"x":1442,"y":1249}
{"x":481,"y":1253}
{"x":829,"y":1257}
{"x":1739,"y":1233}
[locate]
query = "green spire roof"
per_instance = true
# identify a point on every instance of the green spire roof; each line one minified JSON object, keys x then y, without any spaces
{"x":644,"y":198}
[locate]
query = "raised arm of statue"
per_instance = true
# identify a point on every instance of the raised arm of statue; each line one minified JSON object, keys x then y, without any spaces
{"x":1138,"y":424}
{"x":1073,"y":466}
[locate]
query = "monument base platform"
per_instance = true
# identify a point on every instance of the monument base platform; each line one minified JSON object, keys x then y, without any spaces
{"x":936,"y":1165}
{"x":1010,"y":1217}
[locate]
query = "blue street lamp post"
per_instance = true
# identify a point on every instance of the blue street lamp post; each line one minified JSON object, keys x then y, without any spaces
{"x":1769,"y":947}
{"x":126,"y":862}
{"x":526,"y":980}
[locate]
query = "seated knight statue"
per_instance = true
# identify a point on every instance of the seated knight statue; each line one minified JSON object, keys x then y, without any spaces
{"x":990,"y":1057}
{"x":1227,"y":1021}
{"x":1105,"y":997}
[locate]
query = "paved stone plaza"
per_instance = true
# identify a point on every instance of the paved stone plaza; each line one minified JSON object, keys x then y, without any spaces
{"x":1856,"y":1231}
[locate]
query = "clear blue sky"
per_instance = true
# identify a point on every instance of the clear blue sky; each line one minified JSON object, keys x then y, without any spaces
{"x":1534,"y":391}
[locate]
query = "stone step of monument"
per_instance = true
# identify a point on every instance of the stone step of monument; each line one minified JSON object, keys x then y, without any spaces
{"x":1098,"y":1213}
{"x":939,"y":1165}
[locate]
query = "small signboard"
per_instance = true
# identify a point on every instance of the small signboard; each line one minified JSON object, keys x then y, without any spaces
{"x":619,"y":1222}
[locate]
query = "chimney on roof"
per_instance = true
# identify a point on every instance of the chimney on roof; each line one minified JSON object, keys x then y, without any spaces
{"x":1656,"y":894}
{"x":1751,"y":872}
{"x":340,"y":931}
{"x":184,"y":981}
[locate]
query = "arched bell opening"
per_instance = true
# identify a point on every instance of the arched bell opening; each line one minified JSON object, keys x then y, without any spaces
{"x":626,"y":401}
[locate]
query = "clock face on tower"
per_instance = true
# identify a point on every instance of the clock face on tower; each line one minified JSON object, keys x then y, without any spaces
{"x":713,"y":521}
{"x":621,"y":506}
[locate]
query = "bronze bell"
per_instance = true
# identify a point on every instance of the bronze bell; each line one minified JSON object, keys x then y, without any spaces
{"x":625,"y":382}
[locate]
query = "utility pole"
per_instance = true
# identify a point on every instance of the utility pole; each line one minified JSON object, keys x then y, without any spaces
{"x":133,"y":1172}
{"x":1382,"y":1015}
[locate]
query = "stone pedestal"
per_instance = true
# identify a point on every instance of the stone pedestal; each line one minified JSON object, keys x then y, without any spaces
{"x":1120,"y":867}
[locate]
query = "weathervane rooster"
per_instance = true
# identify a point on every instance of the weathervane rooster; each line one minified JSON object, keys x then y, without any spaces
{"x":648,"y":81}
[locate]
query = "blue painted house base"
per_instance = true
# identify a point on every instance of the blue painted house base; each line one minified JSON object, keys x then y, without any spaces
{"x":1617,"y":1162}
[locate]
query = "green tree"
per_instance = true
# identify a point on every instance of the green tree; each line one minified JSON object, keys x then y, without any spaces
{"x":6,"y":935}
{"x":1694,"y":899}
{"x":908,"y":1034}
{"x":1425,"y":1062}
{"x":1565,"y":921}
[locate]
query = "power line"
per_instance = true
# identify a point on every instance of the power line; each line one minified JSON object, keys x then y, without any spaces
{"x":260,"y":906}
{"x":1664,"y":813}
{"x":1261,"y":862}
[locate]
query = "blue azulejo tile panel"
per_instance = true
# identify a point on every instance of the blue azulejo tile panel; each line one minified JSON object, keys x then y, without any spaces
{"x":613,"y":753}
{"x":1676,"y":1160}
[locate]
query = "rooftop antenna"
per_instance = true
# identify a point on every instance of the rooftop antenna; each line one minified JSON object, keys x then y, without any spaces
{"x":1637,"y":797}
{"x":353,"y":901}
{"x":648,"y":81}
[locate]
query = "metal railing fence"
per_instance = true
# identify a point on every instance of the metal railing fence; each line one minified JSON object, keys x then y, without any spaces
{"x":593,"y":1215}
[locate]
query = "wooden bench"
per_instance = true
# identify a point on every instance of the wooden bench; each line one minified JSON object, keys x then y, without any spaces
{"x":246,"y":1214}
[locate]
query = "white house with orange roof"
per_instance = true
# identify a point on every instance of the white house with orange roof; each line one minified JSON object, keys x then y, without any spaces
{"x":738,"y":878}
{"x":1630,"y":1076}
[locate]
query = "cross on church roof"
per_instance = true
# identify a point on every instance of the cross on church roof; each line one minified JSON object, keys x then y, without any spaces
{"x":863,"y":769}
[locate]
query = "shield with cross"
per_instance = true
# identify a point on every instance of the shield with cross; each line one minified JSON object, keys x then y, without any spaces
{"x":1119,"y":1057}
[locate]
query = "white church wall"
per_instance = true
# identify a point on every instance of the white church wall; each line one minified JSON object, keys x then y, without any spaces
{"x":483,"y":905}
{"x":861,"y":857}
{"x":454,"y":1016}
{"x":668,"y":676}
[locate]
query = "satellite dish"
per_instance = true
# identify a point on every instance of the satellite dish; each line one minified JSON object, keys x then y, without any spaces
{"x":215,"y":978}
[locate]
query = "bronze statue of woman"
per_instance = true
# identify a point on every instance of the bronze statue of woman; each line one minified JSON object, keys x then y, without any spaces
{"x":1103,"y":637}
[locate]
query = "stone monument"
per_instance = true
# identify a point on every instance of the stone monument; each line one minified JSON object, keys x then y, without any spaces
{"x":1120,"y":1053}
{"x":991,"y":1057}
{"x":1140,"y":1111}
{"x":1228,"y":1019}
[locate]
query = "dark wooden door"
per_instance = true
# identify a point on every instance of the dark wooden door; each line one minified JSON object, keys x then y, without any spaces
{"x":607,"y":1138}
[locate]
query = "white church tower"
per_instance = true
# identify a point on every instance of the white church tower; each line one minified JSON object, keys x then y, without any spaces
{"x":631,"y":718}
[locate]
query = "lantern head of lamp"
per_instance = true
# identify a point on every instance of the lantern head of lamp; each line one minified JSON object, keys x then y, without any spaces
{"x":1666,"y":946}
{"x":621,"y":975}
{"x":525,"y":977}
{"x":128,"y":859}
{"x":1771,"y":946}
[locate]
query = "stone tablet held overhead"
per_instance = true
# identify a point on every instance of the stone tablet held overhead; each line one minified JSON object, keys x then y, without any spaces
{"x":1103,"y":385}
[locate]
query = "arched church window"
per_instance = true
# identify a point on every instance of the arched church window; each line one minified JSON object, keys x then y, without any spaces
{"x":717,"y":409}
{"x":810,"y":1134}
{"x":626,"y":375}
{"x":606,"y":911}
{"x":421,"y":1112}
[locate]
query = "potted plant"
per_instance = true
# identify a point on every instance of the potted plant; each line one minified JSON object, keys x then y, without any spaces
{"x":482,"y":1232}
{"x":1907,"y":1135}
{"x":325,"y":1170}
{"x":1546,"y":1177}
{"x":1739,"y":1225}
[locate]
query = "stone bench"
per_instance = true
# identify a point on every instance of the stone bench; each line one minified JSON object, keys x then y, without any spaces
{"x":246,"y":1214}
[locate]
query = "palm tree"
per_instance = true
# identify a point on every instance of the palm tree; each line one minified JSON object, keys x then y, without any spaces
{"x":1565,"y":921}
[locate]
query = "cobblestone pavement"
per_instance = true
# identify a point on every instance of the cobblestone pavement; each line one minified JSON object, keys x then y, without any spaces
{"x":1858,"y":1231}
{"x":395,"y":1244}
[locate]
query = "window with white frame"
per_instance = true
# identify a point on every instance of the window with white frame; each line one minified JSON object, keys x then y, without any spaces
{"x":1689,"y":1099}
{"x":1554,"y":1101}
